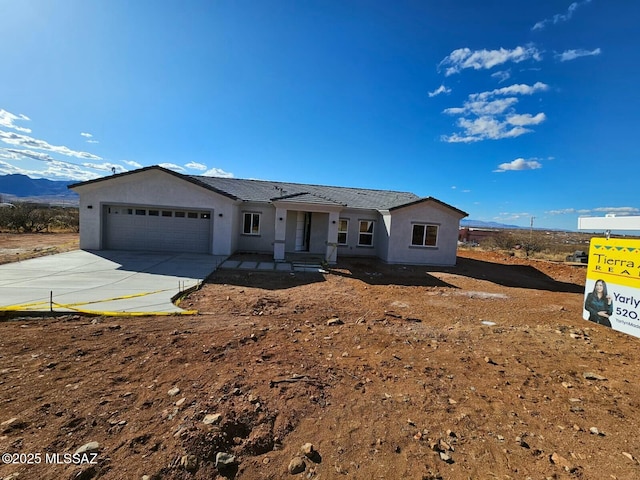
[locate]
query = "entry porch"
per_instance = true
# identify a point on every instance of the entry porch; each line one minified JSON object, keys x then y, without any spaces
{"x":306,"y":227}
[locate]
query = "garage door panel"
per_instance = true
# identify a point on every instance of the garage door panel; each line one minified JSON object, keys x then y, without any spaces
{"x":132,"y":228}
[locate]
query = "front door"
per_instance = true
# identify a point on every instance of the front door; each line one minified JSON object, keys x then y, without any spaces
{"x":303,"y":231}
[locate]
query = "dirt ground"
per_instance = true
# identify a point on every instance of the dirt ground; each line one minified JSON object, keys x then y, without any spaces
{"x":14,"y":247}
{"x":485,"y":370}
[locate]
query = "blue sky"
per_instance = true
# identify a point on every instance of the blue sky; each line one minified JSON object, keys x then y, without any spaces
{"x":507,"y":110}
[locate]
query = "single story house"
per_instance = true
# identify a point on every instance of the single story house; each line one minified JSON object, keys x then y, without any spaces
{"x":156,"y":209}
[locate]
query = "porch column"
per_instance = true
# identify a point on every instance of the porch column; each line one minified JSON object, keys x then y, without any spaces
{"x":332,"y":238}
{"x":280,"y":234}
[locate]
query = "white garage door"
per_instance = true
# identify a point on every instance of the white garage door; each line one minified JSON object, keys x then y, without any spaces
{"x":157,"y":229}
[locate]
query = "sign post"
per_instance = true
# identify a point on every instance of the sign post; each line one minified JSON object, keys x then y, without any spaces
{"x":612,"y":289}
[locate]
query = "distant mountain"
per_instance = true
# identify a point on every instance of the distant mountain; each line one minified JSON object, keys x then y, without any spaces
{"x":480,"y":224}
{"x":16,"y":186}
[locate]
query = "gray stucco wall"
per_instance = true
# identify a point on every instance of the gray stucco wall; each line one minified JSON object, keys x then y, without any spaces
{"x":292,"y":223}
{"x":319,"y":231}
{"x":262,"y":243}
{"x":352,"y":248}
{"x":402,"y":221}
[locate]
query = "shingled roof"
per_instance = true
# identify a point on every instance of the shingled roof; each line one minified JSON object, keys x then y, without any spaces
{"x":270,"y":191}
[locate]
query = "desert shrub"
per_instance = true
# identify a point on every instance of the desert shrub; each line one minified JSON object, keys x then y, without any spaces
{"x":532,"y":242}
{"x":67,"y":218}
{"x":499,"y":241}
{"x":28,"y":217}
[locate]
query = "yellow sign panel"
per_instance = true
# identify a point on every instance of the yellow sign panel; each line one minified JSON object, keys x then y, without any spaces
{"x":612,"y":290}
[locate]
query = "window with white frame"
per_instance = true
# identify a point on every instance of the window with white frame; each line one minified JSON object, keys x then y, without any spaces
{"x":365,"y":233}
{"x":424,"y":235}
{"x":251,"y":224}
{"x":343,"y":229}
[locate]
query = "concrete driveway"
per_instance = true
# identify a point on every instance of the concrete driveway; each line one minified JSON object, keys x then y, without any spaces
{"x":103,"y":282}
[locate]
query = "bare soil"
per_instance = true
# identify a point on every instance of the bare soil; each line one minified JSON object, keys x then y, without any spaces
{"x":485,"y":370}
{"x":15,"y":247}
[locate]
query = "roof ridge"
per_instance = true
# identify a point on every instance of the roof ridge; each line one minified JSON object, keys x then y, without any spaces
{"x":291,"y":195}
{"x":316,"y":195}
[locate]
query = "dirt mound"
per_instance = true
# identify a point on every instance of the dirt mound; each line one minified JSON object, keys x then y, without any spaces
{"x":485,"y":370}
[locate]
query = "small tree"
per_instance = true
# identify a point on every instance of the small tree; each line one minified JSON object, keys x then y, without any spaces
{"x":500,"y":241}
{"x":532,"y":242}
{"x":28,"y":218}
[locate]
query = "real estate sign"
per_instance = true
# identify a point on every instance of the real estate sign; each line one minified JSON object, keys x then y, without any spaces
{"x":612,"y":289}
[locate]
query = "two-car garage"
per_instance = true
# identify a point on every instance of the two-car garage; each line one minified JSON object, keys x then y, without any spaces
{"x":156,"y":228}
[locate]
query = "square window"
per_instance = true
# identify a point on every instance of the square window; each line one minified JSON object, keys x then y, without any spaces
{"x":154,"y":213}
{"x":251,"y":225}
{"x":179,"y":214}
{"x":167,"y":213}
{"x":141,"y":211}
{"x":192,"y":215}
{"x":423,"y":235}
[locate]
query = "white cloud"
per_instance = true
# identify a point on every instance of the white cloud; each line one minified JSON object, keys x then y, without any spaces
{"x":618,"y":210}
{"x":573,"y":54}
{"x":455,"y":138}
{"x":484,"y":117}
{"x":526,"y":119}
{"x":89,"y":136}
{"x":510,"y":217}
{"x":131,"y":163}
{"x":455,"y":110}
{"x":43,"y":157}
{"x":29,"y":142}
{"x":7,"y":120}
{"x":172,"y":166}
{"x":196,"y":166}
{"x":621,"y":211}
{"x":9,"y":155}
{"x":568,"y":211}
{"x":515,"y":89}
{"x":560,"y":17}
{"x":485,"y":59}
{"x":519,"y":164}
{"x":489,"y":128}
{"x":218,"y":172}
{"x":55,"y":170}
{"x":439,"y":90}
{"x":494,"y":107}
{"x":15,"y":154}
{"x":501,"y":75}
